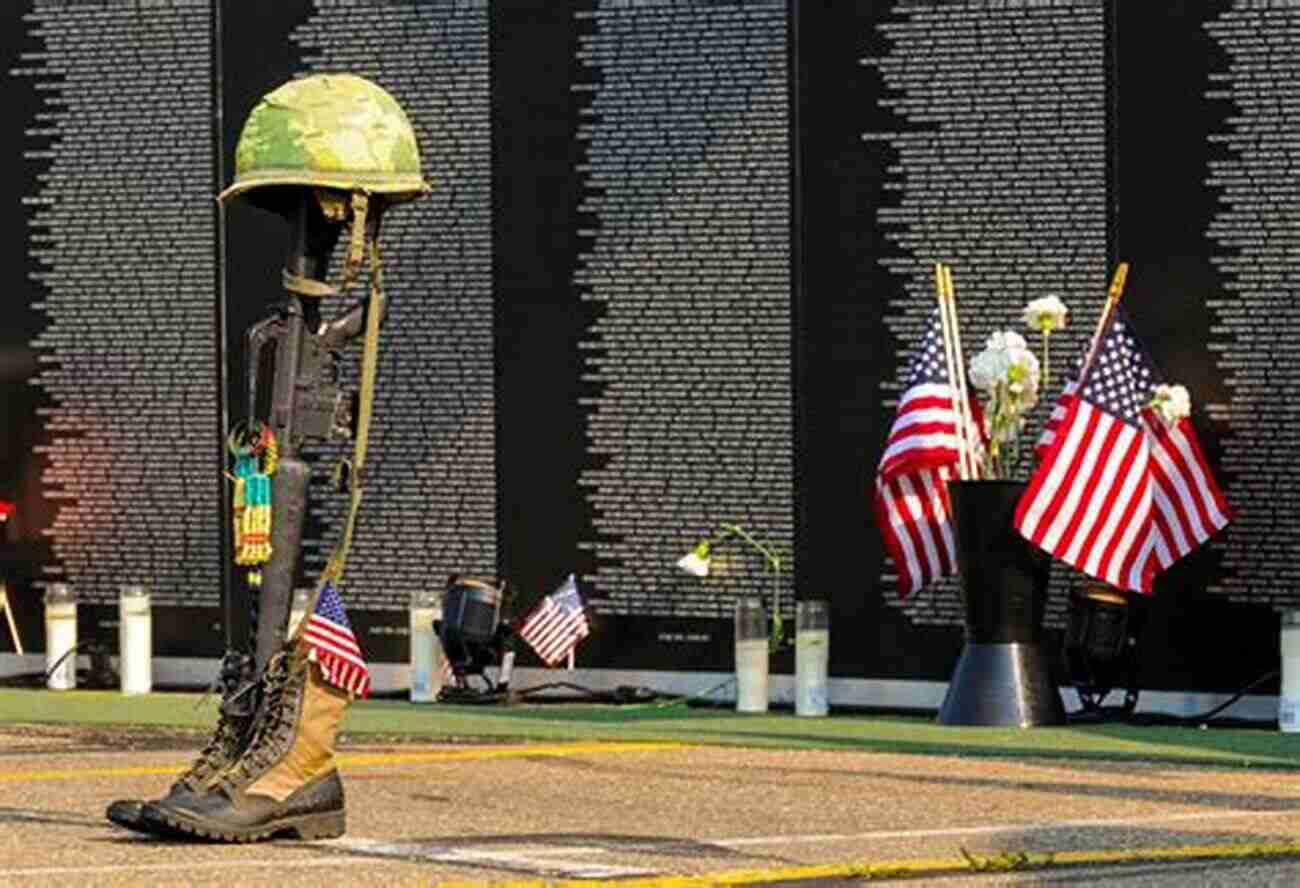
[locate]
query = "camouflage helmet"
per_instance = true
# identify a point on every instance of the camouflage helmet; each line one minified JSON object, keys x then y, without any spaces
{"x":329,"y":131}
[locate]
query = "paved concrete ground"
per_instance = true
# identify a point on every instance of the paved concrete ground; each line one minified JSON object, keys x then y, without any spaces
{"x":420,"y":814}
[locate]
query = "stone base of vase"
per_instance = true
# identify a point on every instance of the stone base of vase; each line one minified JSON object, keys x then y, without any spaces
{"x":1002,"y":684}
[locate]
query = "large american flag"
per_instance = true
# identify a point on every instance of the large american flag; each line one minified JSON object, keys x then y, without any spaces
{"x":921,"y":454}
{"x":328,"y":635}
{"x":556,"y":624}
{"x":1119,"y":494}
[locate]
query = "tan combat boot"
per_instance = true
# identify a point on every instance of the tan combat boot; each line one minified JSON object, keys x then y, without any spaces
{"x":234,"y":731}
{"x":286,"y":782}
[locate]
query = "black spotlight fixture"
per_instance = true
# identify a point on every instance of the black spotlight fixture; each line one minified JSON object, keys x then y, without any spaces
{"x":474,"y":636}
{"x":1101,"y":647}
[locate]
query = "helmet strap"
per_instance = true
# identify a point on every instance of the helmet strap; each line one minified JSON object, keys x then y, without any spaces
{"x":357,"y":242}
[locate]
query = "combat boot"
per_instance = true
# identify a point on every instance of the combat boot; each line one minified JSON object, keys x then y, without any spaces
{"x":238,"y":713}
{"x":286,"y":782}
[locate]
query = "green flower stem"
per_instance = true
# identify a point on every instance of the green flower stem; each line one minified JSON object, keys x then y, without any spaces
{"x":1047,"y":368}
{"x":730,"y":530}
{"x":1002,"y":422}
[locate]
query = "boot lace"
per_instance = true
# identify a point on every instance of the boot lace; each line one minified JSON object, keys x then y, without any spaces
{"x":275,"y":722}
{"x":235,"y":713}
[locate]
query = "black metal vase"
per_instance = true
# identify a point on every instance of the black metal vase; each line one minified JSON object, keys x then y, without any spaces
{"x":1002,"y":677}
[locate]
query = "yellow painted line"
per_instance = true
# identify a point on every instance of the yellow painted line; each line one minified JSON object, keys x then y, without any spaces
{"x":73,"y":774}
{"x":498,"y":752}
{"x":556,"y":750}
{"x":911,"y":868}
{"x":1186,"y":852}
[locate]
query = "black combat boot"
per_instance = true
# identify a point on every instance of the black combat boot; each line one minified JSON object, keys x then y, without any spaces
{"x":286,"y":782}
{"x":234,"y":731}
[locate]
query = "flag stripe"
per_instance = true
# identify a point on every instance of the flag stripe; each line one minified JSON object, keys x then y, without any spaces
{"x":1116,"y":506}
{"x":911,"y":499}
{"x":1130,"y":537}
{"x":559,"y":641}
{"x":1083,"y":525}
{"x":1161,"y":534}
{"x":937,"y":506}
{"x":330,"y":633}
{"x":1054,"y":421}
{"x":1173,"y":477}
{"x":1051,"y":485}
{"x":1080,"y":480}
{"x":1187,"y":478}
{"x":899,"y":546}
{"x":333,"y":650}
{"x":1215,"y":502}
{"x":1171,"y":506}
{"x":327,"y":635}
{"x":554,"y":628}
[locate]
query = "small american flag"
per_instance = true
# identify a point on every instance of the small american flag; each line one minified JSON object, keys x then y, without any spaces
{"x":328,"y":635}
{"x":1119,"y":494}
{"x":556,"y":624}
{"x":921,"y":454}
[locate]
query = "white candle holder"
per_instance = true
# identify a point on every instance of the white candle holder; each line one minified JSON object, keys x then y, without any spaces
{"x":426,"y":651}
{"x":135,"y":640}
{"x":812,"y":658}
{"x":1288,"y":708}
{"x":751,"y":655}
{"x":60,"y":637}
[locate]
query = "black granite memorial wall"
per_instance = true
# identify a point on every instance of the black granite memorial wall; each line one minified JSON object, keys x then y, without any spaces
{"x":675,"y":256}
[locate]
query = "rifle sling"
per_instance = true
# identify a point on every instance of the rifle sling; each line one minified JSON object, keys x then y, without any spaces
{"x":333,"y":570}
{"x":305,"y":286}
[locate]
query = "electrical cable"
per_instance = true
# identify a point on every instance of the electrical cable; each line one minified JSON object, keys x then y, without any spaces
{"x":1267,"y":676}
{"x":100,"y":676}
{"x":49,"y":673}
{"x":1118,"y":713}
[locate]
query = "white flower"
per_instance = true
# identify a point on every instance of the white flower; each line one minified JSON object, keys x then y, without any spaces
{"x":1007,"y":361}
{"x":1171,"y":402}
{"x":1046,"y":315}
{"x":1007,"y":373}
{"x":1022,"y":376}
{"x":695,"y":563}
{"x":1006,"y":340}
{"x":988,"y":368}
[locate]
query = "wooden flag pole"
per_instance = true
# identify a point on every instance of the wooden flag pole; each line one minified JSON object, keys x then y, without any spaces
{"x":9,"y":617}
{"x":1113,"y":296}
{"x":947,"y":351}
{"x":967,"y":421}
{"x":949,"y":356}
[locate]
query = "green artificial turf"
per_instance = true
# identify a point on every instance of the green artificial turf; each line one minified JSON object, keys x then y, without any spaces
{"x":399,"y":720}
